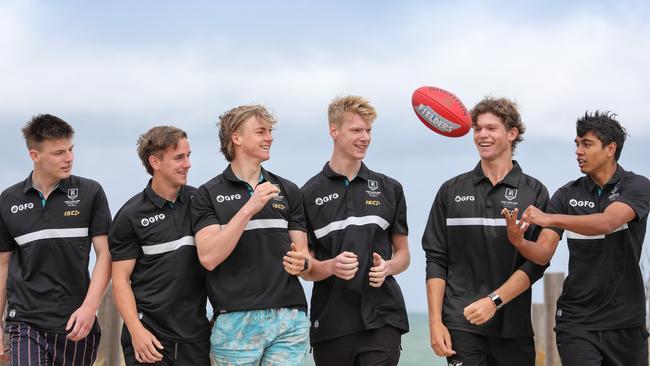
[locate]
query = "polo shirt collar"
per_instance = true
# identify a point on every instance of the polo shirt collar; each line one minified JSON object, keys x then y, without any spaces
{"x":63,"y":185}
{"x":181,"y":197}
{"x":511,"y":179}
{"x":230,"y":175}
{"x":618,"y":174}
{"x":363,"y":173}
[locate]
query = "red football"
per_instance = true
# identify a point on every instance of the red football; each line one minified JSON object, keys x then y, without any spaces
{"x":441,"y":111}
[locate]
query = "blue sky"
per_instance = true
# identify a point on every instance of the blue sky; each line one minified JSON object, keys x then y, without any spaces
{"x":114,"y":69}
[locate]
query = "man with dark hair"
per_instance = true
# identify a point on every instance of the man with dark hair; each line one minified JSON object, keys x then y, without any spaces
{"x":358,"y":236}
{"x":600,"y":317}
{"x":246,"y":220}
{"x":478,"y":286}
{"x":47,"y":225}
{"x":158,"y":282}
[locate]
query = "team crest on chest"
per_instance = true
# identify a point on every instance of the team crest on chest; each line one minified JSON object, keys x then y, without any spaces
{"x":279,"y":197}
{"x":73,"y":194}
{"x":373,"y":187}
{"x":511,"y":194}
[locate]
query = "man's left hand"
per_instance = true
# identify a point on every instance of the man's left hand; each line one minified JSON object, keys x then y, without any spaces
{"x":379,"y":270}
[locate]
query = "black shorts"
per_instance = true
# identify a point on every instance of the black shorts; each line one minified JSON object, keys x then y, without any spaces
{"x":479,"y":350}
{"x":616,"y":347}
{"x":376,"y":347}
{"x":174,"y":353}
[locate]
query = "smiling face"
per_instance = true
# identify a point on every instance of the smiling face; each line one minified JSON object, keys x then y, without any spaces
{"x":352,"y":136}
{"x":173,"y":165}
{"x":53,"y":158}
{"x":491,"y":138}
{"x":592,"y":155}
{"x":253,"y":139}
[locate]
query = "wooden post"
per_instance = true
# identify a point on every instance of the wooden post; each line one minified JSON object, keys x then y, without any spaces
{"x":540,"y":334}
{"x":110,"y":349}
{"x":552,"y":290}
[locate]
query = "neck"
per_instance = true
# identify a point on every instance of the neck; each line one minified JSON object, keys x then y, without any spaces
{"x":247,"y":171}
{"x":496,"y":170}
{"x":165,"y":189}
{"x":345,"y":166}
{"x":602,"y":176}
{"x":43,"y":183}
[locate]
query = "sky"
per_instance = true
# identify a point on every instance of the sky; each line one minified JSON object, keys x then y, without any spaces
{"x":115,"y":69}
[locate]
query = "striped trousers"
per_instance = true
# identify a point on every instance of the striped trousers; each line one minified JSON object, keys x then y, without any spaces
{"x":32,"y":347}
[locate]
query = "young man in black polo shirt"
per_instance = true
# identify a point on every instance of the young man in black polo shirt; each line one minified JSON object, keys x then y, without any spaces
{"x":47,"y":225}
{"x":357,"y":230}
{"x":600,"y":317}
{"x":246,"y":220}
{"x":477,"y":284}
{"x":158,"y":282}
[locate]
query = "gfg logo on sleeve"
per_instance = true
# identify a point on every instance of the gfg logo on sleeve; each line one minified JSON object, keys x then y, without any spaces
{"x":147,"y":221}
{"x":574,"y":202}
{"x":23,"y":207}
{"x":331,"y":197}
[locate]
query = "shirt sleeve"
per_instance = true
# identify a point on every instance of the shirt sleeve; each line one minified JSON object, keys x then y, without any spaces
{"x":7,"y":242}
{"x":535,"y":271}
{"x":311,"y":237}
{"x":100,"y":219}
{"x":399,"y":224}
{"x":434,"y":239}
{"x":557,"y":205}
{"x":203,"y":213}
{"x":296,"y":208}
{"x":635,"y":192}
{"x":122,"y":239}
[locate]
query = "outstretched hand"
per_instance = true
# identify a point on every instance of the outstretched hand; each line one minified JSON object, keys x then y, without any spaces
{"x":516,"y":229}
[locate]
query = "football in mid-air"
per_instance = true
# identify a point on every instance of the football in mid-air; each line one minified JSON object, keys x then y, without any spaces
{"x":441,"y":111}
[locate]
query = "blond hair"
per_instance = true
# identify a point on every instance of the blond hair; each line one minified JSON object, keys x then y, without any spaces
{"x":350,"y":104}
{"x":230,"y":121}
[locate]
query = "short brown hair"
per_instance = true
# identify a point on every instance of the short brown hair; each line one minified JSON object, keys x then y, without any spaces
{"x":44,"y":127}
{"x":157,"y":140}
{"x":350,"y":104}
{"x":506,"y":110}
{"x":230,"y":121}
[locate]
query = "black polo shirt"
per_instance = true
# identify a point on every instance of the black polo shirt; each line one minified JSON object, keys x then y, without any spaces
{"x":252,"y":277}
{"x":168,"y":281}
{"x":604,"y":288}
{"x":359,"y":216}
{"x":466,"y":244}
{"x":50,"y":240}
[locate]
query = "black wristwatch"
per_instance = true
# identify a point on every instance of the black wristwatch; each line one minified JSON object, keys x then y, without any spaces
{"x":496,"y":300}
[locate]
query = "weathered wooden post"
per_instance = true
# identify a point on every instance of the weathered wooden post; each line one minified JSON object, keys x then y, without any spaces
{"x":540,"y":334}
{"x":110,"y":349}
{"x":552,"y":290}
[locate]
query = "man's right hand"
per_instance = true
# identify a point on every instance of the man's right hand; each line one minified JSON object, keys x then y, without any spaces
{"x":262,"y":194}
{"x":345,"y":265}
{"x":516,"y":229}
{"x":146,"y":346}
{"x":441,"y":340}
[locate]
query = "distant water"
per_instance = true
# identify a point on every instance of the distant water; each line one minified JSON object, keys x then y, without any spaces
{"x":416,"y":349}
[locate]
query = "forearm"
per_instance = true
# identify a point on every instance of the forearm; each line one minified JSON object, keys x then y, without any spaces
{"x":99,"y":280}
{"x":319,"y":270}
{"x":535,"y":252}
{"x":594,"y":224}
{"x":399,"y":262}
{"x":4,"y":273}
{"x":435,"y":297}
{"x":125,"y":302}
{"x":215,"y":246}
{"x":513,"y":287}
